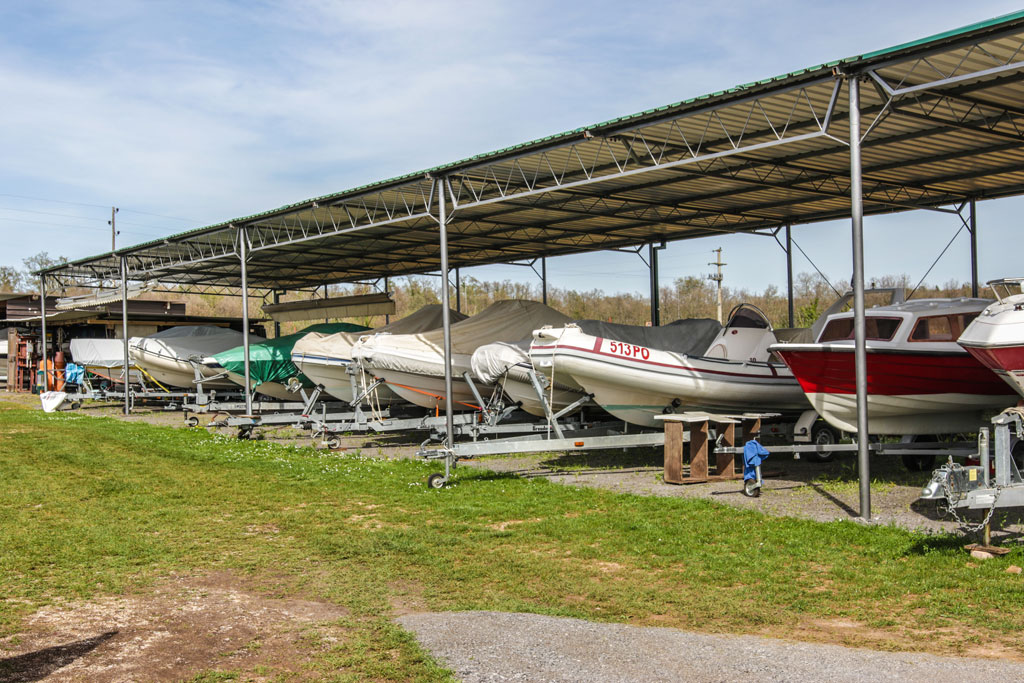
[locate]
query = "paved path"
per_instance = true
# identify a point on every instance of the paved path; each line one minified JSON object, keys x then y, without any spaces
{"x":496,"y":646}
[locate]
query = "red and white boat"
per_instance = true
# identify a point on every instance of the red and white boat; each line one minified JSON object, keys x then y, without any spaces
{"x":996,"y":337}
{"x":919,"y":380}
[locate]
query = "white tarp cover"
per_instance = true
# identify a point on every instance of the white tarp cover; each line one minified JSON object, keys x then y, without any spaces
{"x":491,"y":361}
{"x":512,"y":359}
{"x":338,"y":347}
{"x":98,"y":353}
{"x":423,"y":354}
{"x":185,"y":341}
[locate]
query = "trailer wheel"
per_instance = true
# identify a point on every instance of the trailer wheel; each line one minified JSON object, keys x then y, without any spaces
{"x":334,"y":443}
{"x":824,"y":437}
{"x":751,"y":489}
{"x":192,"y":421}
{"x":436,"y":481}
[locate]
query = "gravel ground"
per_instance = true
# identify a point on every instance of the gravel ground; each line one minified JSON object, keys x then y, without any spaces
{"x":794,"y":488}
{"x":484,"y":647}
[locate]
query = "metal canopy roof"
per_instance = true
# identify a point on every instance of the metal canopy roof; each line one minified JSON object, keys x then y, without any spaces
{"x":942,"y":123}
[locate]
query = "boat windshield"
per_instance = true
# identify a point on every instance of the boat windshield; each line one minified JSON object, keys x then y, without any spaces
{"x":748,"y":316}
{"x":1006,"y":287}
{"x":876,"y":328}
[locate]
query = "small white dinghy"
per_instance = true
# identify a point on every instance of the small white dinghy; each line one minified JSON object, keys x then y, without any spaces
{"x":508,"y":365}
{"x":413,"y":364}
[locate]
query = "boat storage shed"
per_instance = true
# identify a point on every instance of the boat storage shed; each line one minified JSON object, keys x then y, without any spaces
{"x":937,"y":122}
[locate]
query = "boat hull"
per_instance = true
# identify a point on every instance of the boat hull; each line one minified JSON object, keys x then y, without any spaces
{"x":428,"y":391}
{"x":175,"y":372}
{"x":274,"y":390}
{"x":333,"y":374}
{"x":1007,"y":362}
{"x":909,"y":392}
{"x":520,"y":389}
{"x":637,"y":384}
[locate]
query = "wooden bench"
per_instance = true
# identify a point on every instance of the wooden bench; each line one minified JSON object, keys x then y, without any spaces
{"x":698,"y":426}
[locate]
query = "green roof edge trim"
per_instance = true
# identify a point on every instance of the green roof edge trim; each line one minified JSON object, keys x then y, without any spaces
{"x":945,"y":35}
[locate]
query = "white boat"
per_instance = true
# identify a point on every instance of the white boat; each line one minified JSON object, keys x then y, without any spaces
{"x":413,"y":364}
{"x":507,"y":365}
{"x":691,"y":365}
{"x":326,"y":359}
{"x":166,"y":355}
{"x":919,"y":381}
{"x":996,"y":337}
{"x":102,"y":357}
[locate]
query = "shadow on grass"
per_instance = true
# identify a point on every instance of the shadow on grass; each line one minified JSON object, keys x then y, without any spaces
{"x":817,"y":488}
{"x":35,"y":666}
{"x":612,"y":458}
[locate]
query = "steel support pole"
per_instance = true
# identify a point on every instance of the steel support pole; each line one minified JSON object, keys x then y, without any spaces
{"x":544,"y":280}
{"x":974,"y":248}
{"x":387,"y":290}
{"x":277,"y":325}
{"x":42,"y":340}
{"x":458,"y":291}
{"x":789,"y":272}
{"x":652,"y":253}
{"x":124,"y":335}
{"x":860,"y":348}
{"x":446,"y":322}
{"x":243,"y":250}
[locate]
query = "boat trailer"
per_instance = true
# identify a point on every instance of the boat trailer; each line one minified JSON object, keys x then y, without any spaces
{"x":988,"y":485}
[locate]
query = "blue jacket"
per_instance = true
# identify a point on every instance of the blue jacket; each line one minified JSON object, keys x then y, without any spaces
{"x":753,"y":455}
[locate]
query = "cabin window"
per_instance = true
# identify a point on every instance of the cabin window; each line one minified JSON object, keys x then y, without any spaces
{"x":876,"y":329}
{"x":937,"y":328}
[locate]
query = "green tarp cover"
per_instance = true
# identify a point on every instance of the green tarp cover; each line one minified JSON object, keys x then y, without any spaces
{"x":271,"y":360}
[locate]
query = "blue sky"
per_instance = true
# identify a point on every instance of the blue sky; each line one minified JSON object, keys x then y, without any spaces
{"x":185,"y":114}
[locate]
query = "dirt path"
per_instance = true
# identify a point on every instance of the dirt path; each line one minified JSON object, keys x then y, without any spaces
{"x":185,"y":625}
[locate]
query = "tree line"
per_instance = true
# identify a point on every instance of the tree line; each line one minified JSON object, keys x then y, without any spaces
{"x":685,"y":297}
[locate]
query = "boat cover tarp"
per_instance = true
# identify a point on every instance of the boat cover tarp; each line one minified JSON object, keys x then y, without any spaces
{"x":270,"y":360}
{"x":691,"y":337}
{"x":338,"y":346}
{"x":510,"y":359}
{"x":493,"y":360}
{"x":423,"y":354}
{"x":98,"y":353}
{"x":185,"y":341}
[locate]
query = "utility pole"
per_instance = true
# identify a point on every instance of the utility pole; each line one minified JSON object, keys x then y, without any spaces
{"x":113,"y":229}
{"x":717,"y":278}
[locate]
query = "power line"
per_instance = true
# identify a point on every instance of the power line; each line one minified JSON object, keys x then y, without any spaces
{"x":75,"y":227}
{"x":95,"y":206}
{"x":79,"y":217}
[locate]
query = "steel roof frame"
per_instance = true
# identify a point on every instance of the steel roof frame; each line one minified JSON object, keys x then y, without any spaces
{"x":704,"y":166}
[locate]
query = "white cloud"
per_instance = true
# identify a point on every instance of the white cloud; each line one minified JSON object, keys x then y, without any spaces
{"x":217,"y":109}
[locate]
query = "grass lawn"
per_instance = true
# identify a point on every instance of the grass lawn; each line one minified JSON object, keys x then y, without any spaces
{"x":95,"y":506}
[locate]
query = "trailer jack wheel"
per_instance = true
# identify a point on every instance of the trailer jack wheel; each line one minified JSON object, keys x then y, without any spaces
{"x":192,"y":421}
{"x":436,"y":481}
{"x":751,"y":489}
